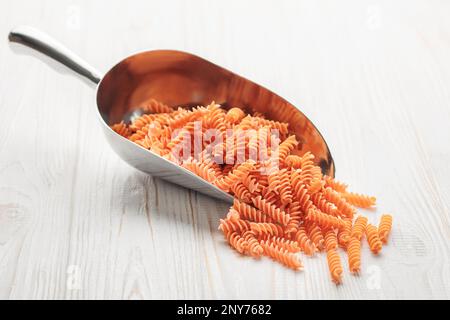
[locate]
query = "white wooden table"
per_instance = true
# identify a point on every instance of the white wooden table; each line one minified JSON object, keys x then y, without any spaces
{"x":78,"y":223}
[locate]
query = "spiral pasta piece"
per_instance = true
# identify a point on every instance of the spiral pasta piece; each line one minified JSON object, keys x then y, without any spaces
{"x":215,"y":118}
{"x":301,"y":194}
{"x":335,"y":185}
{"x":304,"y":242}
{"x":283,"y":256}
{"x":147,"y":142}
{"x":234,"y":115}
{"x":316,"y":235}
{"x":282,"y":127}
{"x":324,"y":220}
{"x":139,"y":134}
{"x":341,"y":204}
{"x":293,"y":161}
{"x":122,"y":129}
{"x":236,"y":175}
{"x":266,"y":228}
{"x":251,"y":183}
{"x":254,"y":248}
{"x":307,"y":168}
{"x":295,"y":213}
{"x":283,"y":243}
{"x":236,"y":241}
{"x":233,"y":215}
{"x":270,"y":196}
{"x":344,"y":233}
{"x":335,"y":266}
{"x":323,"y":205}
{"x":373,"y":239}
{"x":142,"y":122}
{"x":354,"y":255}
{"x":241,"y":191}
{"x":384,"y":228}
{"x":286,"y":147}
{"x":201,"y":169}
{"x":285,"y":189}
{"x":331,"y":241}
{"x":248,"y":212}
{"x":271,"y":210}
{"x":154,"y":106}
{"x":184,"y":134}
{"x":240,"y":226}
{"x":316,"y":182}
{"x":186,"y":116}
{"x":274,"y":180}
{"x":359,"y":227}
{"x":359,"y":200}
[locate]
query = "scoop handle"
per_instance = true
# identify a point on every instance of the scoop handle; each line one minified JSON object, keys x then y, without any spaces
{"x":38,"y":40}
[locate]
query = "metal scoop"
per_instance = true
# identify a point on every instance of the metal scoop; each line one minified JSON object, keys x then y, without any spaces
{"x":178,"y":79}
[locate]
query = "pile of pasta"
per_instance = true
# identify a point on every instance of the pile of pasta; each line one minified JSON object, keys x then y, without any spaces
{"x":278,"y":211}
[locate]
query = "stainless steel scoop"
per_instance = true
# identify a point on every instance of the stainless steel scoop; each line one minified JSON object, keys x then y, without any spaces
{"x":178,"y":79}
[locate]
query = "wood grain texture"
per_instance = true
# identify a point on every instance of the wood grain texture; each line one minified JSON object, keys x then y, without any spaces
{"x":78,"y":223}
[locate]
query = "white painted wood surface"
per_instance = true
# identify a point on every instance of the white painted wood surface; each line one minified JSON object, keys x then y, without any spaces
{"x":78,"y":223}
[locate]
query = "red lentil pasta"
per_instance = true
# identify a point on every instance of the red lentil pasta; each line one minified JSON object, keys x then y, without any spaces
{"x":283,"y":204}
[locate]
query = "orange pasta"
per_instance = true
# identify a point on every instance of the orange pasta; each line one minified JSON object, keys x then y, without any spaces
{"x":293,"y":161}
{"x":307,"y":168}
{"x":324,"y":220}
{"x":237,"y":225}
{"x":295,"y":213}
{"x":285,"y":187}
{"x":384,"y":229}
{"x":359,"y":200}
{"x":304,"y":242}
{"x":280,"y":126}
{"x":330,"y":240}
{"x":334,"y":265}
{"x":373,"y":239}
{"x":283,"y":243}
{"x":274,"y":180}
{"x":315,"y":234}
{"x":240,"y":191}
{"x":266,"y":228}
{"x":323,"y":205}
{"x":142,"y":122}
{"x":122,"y":129}
{"x":344,"y":233}
{"x":354,"y":255}
{"x":359,"y":227}
{"x":250,"y":213}
{"x":284,"y":206}
{"x":343,"y":207}
{"x":286,"y":147}
{"x":281,"y":255}
{"x":254,"y":248}
{"x":335,"y":185}
{"x":203,"y":170}
{"x":236,"y":241}
{"x":154,"y":106}
{"x":271,"y":210}
{"x":234,"y":176}
{"x":316,"y":181}
{"x":234,"y":115}
{"x":304,"y":199}
{"x":233,"y":215}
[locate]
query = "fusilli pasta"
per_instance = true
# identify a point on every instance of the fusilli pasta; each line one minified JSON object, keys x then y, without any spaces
{"x":283,"y":204}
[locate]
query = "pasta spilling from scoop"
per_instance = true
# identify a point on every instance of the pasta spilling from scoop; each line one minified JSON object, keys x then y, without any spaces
{"x":283,"y":204}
